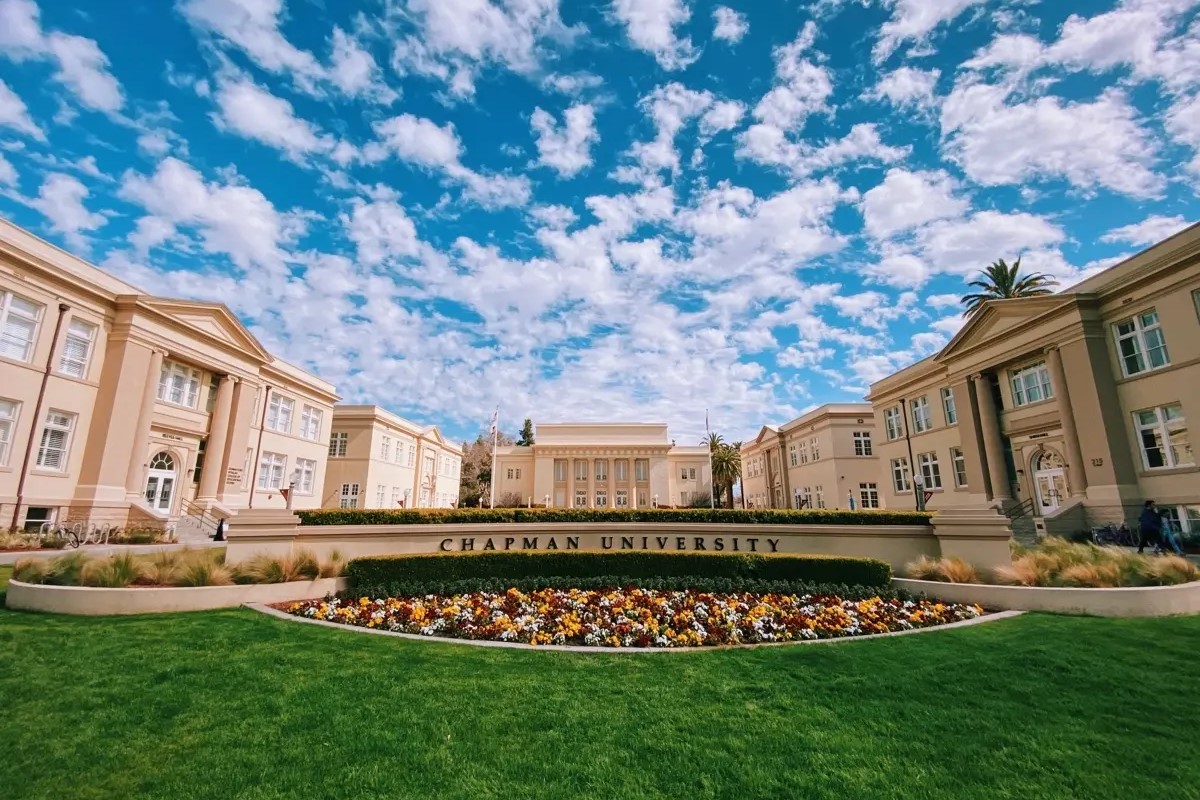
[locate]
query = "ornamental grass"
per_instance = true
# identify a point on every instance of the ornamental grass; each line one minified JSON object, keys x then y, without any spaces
{"x":633,"y":617}
{"x":114,"y":572}
{"x":947,"y":570}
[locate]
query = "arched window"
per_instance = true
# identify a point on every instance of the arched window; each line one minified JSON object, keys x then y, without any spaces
{"x":163,"y":461}
{"x":1048,"y":459}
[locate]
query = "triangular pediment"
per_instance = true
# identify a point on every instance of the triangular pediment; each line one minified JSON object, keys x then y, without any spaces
{"x":764,"y":433}
{"x":432,"y":432}
{"x":997,"y":317}
{"x":212,"y":320}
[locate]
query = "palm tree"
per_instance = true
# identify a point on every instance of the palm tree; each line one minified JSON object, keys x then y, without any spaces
{"x":726,"y":468}
{"x":1001,"y":281}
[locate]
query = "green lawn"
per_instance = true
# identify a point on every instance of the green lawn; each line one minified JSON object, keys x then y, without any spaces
{"x":239,"y":705}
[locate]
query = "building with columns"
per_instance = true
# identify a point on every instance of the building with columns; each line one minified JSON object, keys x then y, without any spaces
{"x":380,"y":460}
{"x":1068,"y":409}
{"x":121,"y":408}
{"x":821,"y":459}
{"x":603,"y":465}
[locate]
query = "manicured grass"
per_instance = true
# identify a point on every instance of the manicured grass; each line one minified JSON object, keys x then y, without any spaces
{"x":237,"y":704}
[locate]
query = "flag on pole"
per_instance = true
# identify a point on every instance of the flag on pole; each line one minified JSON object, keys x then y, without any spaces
{"x":706,"y":431}
{"x":495,"y":421}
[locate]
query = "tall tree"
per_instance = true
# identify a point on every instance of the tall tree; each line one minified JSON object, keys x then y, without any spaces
{"x":526,"y":437}
{"x":1002,"y":281}
{"x":727,"y":468}
{"x":475,"y":478}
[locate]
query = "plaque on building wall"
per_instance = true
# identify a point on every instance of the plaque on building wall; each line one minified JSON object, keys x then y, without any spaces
{"x":233,"y":475}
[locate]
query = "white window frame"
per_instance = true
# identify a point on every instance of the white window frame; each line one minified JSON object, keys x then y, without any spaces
{"x":271,"y":469}
{"x":948,"y":407}
{"x":958,"y":462}
{"x":62,"y":422}
{"x":815,"y":444}
{"x":12,"y":319}
{"x":338,"y":441}
{"x":306,"y":471}
{"x":931,"y":471}
{"x":922,"y":419}
{"x":901,"y":475}
{"x":803,"y":451}
{"x":380,"y":493}
{"x":621,"y":469}
{"x":412,"y":455}
{"x":1162,"y":427}
{"x":868,"y":495}
{"x":311,"y":420}
{"x":10,"y":411}
{"x":1138,"y":335}
{"x":349,"y":496}
{"x":600,"y":467}
{"x":819,"y":491}
{"x":581,"y":463}
{"x":385,"y":448}
{"x":862,"y":443}
{"x":561,"y":470}
{"x":279,"y":413}
{"x":1021,"y":388}
{"x":792,"y":458}
{"x":81,"y":335}
{"x":891,"y":423}
{"x":644,"y":475}
{"x":179,"y":379}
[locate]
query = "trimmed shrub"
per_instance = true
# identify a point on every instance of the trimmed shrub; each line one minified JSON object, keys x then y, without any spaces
{"x":416,"y":570}
{"x":732,"y":516}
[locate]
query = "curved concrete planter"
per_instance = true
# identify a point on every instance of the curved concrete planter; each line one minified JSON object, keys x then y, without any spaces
{"x":1140,"y":601}
{"x":91,"y":601}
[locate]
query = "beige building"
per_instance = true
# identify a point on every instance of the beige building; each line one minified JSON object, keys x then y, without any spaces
{"x":380,"y":460}
{"x":1069,"y":409}
{"x":614,"y":465}
{"x":822,"y":459}
{"x":121,"y":408}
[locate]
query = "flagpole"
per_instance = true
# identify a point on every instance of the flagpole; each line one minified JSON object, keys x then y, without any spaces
{"x":495,"y":434}
{"x":712,"y":483}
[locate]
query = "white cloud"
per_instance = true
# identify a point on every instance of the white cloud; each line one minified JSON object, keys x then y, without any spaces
{"x":767,"y":144}
{"x":650,"y":25}
{"x":1183,"y":123}
{"x":907,"y":87}
{"x":906,"y":200}
{"x":249,"y":110}
{"x":671,"y":107}
{"x":60,"y":199}
{"x":567,"y":150}
{"x":82,"y":66}
{"x":1090,"y":144}
{"x":380,"y":228}
{"x":802,"y":87}
{"x":729,"y":25}
{"x":914,"y":20}
{"x":14,"y":114}
{"x":352,"y":69}
{"x":8,"y":173}
{"x":253,"y":27}
{"x":573,"y":83}
{"x":1151,"y":230}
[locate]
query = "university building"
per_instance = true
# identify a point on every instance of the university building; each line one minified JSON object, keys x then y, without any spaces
{"x":121,"y":408}
{"x":822,"y":459}
{"x":1067,"y":410}
{"x":380,"y":460}
{"x":603,"y":465}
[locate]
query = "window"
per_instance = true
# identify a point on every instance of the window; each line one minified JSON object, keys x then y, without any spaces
{"x":379,"y":491}
{"x":395,"y":497}
{"x":960,"y":466}
{"x":349,"y":498}
{"x":641,"y":471}
{"x":922,"y":420}
{"x":581,"y":498}
{"x":891,"y":421}
{"x":931,"y":474}
{"x":621,"y":467}
{"x":581,"y":469}
{"x":18,"y":326}
{"x":1162,"y":433}
{"x":279,"y":413}
{"x":601,"y":499}
{"x":560,"y":470}
{"x":804,"y":498}
{"x":77,"y":348}
{"x":337,"y":444}
{"x":792,"y":454}
{"x":900,"y":476}
{"x":685,"y":498}
{"x":1031,"y":384}
{"x":1182,"y":519}
{"x":178,"y":385}
{"x":399,"y":455}
{"x":510,"y":474}
{"x":601,"y":469}
{"x":385,"y":448}
{"x":310,"y":423}
{"x":412,"y":455}
{"x":56,"y":441}
{"x":815,"y":444}
{"x":948,"y":407}
{"x":1141,"y":344}
{"x":691,"y":473}
{"x":306,"y":470}
{"x":8,"y":426}
{"x":868,"y":495}
{"x":819,"y":491}
{"x":862,"y":443}
{"x":803,"y":452}
{"x":270,"y":470}
{"x":622,"y":499}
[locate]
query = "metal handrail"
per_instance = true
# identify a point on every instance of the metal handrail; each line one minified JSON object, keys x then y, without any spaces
{"x":1022,"y":509}
{"x":201,"y":514}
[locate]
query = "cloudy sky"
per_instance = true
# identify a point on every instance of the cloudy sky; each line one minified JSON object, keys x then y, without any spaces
{"x":629,"y":210}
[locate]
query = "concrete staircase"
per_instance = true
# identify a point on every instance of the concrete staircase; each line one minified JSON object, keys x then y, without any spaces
{"x":1024,"y":525}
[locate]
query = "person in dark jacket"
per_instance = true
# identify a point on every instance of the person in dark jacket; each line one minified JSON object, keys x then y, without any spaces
{"x":1151,"y":527}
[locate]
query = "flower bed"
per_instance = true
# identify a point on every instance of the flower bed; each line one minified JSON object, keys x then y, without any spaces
{"x":633,"y":617}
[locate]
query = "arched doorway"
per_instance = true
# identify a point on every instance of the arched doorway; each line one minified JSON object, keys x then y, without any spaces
{"x":160,"y":486}
{"x":1049,"y":480}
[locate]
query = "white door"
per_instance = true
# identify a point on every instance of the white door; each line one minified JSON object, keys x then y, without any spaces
{"x":1051,"y":485}
{"x":160,"y":486}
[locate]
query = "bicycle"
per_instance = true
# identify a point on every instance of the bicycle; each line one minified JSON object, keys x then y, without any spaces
{"x":1111,"y":535}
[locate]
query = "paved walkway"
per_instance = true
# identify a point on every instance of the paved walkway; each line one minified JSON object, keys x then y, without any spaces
{"x":107,"y":549}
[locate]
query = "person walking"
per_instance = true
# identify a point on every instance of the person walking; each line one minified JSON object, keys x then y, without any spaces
{"x":1150,"y":525}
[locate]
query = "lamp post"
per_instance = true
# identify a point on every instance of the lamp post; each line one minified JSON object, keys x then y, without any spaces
{"x":546,"y":501}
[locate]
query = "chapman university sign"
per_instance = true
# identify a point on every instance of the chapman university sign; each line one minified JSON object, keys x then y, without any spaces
{"x":735,"y":544}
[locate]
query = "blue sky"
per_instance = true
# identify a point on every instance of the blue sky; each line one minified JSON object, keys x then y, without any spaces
{"x":583,"y":211}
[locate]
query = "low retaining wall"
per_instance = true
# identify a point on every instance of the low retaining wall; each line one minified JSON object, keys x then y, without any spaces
{"x":1140,"y":601}
{"x":91,"y":601}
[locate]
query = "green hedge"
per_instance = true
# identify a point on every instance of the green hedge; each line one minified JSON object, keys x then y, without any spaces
{"x":439,"y":516}
{"x":418,"y":570}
